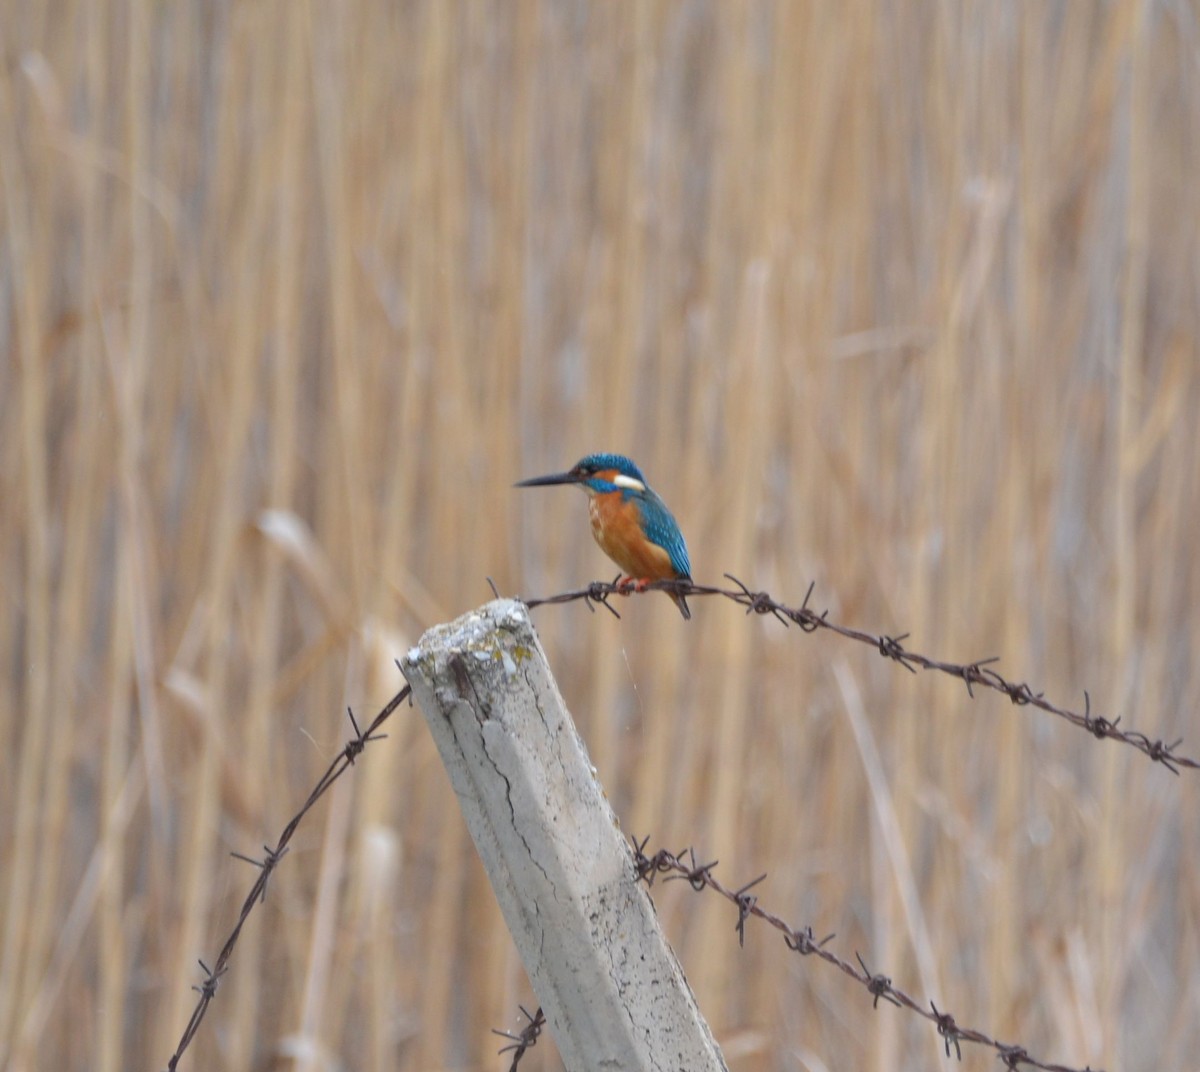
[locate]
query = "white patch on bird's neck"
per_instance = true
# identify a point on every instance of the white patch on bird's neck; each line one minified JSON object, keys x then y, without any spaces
{"x":623,"y":481}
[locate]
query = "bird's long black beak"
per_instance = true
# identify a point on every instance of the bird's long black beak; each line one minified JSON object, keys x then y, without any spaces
{"x":553,"y":478}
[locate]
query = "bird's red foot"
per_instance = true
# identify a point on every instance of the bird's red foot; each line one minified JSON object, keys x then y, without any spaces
{"x":625,"y":585}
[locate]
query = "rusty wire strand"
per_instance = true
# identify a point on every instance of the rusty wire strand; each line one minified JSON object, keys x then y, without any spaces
{"x":979,"y":672}
{"x":700,"y":877}
{"x":800,"y":940}
{"x":353,"y":748}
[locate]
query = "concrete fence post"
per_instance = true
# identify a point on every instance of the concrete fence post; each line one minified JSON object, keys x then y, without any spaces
{"x":612,"y":991}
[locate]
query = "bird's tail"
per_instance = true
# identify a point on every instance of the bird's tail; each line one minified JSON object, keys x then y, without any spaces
{"x":681,"y":603}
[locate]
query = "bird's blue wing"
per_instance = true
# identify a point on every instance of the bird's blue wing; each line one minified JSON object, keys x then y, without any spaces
{"x":660,"y":528}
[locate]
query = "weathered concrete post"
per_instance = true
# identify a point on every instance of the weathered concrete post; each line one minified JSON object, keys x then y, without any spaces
{"x":612,"y":991}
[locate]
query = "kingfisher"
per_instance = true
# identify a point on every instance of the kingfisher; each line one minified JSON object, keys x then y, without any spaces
{"x":630,"y":522}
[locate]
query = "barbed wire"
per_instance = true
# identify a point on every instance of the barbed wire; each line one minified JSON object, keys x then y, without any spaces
{"x":980,"y":672}
{"x":802,"y":940}
{"x":207,"y":988}
{"x":527,"y":1038}
{"x":700,"y":877}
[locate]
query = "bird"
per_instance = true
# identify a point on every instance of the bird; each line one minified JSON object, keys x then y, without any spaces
{"x":630,"y":522}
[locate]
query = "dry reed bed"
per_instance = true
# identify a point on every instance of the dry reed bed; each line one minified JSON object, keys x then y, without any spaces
{"x":899,"y":298}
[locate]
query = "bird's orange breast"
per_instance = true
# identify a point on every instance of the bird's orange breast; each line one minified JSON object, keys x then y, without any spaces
{"x":617,"y":527}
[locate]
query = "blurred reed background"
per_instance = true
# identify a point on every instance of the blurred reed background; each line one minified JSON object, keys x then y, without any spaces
{"x":900,"y":298}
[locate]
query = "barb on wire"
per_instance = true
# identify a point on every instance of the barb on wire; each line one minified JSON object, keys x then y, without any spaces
{"x":266,"y":865}
{"x":980,"y":672}
{"x":258,"y":892}
{"x":527,"y":1038}
{"x":683,"y":866}
{"x":880,"y":985}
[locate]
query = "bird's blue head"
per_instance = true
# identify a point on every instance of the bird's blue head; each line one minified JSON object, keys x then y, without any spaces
{"x":599,"y":474}
{"x":610,"y":472}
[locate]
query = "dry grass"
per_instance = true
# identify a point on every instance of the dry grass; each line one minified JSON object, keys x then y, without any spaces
{"x":897,"y":297}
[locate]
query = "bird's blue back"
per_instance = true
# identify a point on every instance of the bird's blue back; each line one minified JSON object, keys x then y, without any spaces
{"x":659,"y":526}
